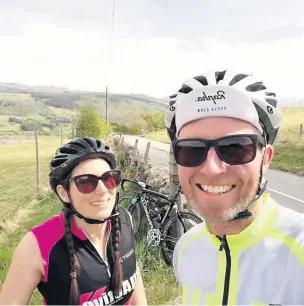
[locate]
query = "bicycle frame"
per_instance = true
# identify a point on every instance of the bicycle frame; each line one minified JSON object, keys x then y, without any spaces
{"x":144,"y":202}
{"x":144,"y":190}
{"x":165,"y":231}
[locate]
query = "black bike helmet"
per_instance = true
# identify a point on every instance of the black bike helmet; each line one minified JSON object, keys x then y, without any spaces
{"x":69,"y":156}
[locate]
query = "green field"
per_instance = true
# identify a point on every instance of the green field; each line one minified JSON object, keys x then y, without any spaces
{"x":17,"y":97}
{"x":49,"y":108}
{"x":18,"y":171}
{"x":20,"y":210}
{"x":289,"y":149}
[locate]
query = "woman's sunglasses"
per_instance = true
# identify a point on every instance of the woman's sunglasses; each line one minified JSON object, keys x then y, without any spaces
{"x":87,"y":183}
{"x":233,"y":150}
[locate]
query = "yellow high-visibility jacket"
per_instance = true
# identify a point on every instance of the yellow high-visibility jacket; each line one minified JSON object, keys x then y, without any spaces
{"x":262,"y":265}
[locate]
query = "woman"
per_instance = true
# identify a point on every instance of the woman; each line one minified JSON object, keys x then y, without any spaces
{"x":86,"y":255}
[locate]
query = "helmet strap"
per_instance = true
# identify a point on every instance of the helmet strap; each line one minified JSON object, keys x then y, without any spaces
{"x":260,"y":190}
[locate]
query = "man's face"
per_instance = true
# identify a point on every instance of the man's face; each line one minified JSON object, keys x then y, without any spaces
{"x":217,"y":190}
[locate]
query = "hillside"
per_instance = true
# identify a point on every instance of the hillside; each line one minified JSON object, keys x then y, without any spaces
{"x":51,"y":105}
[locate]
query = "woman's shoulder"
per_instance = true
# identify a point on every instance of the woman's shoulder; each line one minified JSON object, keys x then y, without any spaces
{"x":49,"y":231}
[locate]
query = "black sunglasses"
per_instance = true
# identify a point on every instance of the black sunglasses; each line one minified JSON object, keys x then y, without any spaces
{"x":233,"y":149}
{"x":87,"y":183}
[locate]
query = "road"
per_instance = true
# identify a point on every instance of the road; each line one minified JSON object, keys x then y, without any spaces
{"x":287,"y":189}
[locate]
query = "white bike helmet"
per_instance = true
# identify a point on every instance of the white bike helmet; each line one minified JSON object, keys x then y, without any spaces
{"x":224,"y":94}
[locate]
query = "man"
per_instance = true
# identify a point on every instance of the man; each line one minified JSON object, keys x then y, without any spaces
{"x":249,"y":250}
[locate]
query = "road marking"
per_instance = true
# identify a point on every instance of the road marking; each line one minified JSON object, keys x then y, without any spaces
{"x":286,"y":195}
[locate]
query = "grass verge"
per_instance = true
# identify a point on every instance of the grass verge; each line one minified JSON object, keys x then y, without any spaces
{"x":40,"y":211}
{"x":159,"y":281}
{"x":289,"y":157}
{"x":161,"y":136}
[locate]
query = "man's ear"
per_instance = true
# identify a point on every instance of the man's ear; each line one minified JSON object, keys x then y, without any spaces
{"x":62,"y":194}
{"x":268,"y":156}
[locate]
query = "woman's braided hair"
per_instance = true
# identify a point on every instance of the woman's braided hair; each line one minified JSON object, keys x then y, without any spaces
{"x":117,"y":274}
{"x":74,"y":264}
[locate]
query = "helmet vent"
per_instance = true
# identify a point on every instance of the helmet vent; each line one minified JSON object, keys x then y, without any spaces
{"x":57,"y":162}
{"x":185,"y":89}
{"x":68,"y":150}
{"x":255,"y":87}
{"x":273,"y":102}
{"x":78,"y":144}
{"x":219,"y":75}
{"x":98,"y":143}
{"x":272,"y":94}
{"x":89,"y":141}
{"x":238,"y":78}
{"x":202,"y":79}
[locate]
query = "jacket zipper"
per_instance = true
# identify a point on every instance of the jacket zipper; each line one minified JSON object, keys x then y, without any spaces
{"x":224,"y":246}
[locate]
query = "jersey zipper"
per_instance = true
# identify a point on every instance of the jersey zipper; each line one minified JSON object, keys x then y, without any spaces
{"x":108,"y":269}
{"x":105,"y":260}
{"x":224,"y":246}
{"x":106,"y":257}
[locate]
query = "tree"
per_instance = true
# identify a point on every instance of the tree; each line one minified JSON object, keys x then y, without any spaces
{"x":155,"y":121}
{"x":30,"y":126}
{"x":90,"y":123}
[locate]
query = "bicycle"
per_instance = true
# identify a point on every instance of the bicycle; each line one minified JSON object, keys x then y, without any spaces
{"x":164,"y":226}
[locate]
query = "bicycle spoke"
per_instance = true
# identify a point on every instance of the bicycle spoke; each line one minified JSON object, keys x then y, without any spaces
{"x":169,"y":239}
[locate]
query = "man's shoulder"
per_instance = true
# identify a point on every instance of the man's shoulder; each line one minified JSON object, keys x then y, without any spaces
{"x":290,"y":222}
{"x":186,"y":240}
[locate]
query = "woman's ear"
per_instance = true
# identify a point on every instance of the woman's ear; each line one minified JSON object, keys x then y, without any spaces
{"x":62,"y":194}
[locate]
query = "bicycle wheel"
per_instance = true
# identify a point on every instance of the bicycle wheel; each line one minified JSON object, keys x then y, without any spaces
{"x":125,"y":199}
{"x":133,"y":205}
{"x":136,"y":214}
{"x":173,"y":229}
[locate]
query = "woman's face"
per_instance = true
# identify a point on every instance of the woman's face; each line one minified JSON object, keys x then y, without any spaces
{"x":99,"y":203}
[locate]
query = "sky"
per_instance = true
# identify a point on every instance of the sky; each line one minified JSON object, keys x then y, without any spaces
{"x":155,"y":44}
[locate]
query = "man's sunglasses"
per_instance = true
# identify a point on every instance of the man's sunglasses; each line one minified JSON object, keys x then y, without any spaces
{"x":87,"y":183}
{"x":233,"y":150}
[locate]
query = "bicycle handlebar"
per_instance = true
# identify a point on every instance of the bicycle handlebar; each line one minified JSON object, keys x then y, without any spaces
{"x":144,"y":188}
{"x":137,"y":182}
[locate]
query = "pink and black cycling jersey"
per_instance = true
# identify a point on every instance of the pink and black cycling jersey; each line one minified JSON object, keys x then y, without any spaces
{"x":94,"y":275}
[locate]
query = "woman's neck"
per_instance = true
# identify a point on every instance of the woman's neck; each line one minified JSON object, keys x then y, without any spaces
{"x":95,"y":232}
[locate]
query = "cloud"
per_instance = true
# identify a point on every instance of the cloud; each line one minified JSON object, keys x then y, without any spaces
{"x":150,"y":65}
{"x":66,"y":43}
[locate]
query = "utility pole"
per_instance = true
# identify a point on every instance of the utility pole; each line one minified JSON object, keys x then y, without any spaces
{"x":107,"y":105}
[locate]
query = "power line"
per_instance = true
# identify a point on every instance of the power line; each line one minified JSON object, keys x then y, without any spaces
{"x":110,"y":57}
{"x":111,"y":37}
